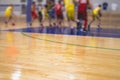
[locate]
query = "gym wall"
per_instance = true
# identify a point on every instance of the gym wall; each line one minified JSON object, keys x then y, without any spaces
{"x":20,"y":5}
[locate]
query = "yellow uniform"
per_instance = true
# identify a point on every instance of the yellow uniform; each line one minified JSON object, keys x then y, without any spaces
{"x":8,"y":11}
{"x":44,"y":13}
{"x":67,"y":2}
{"x":96,"y":12}
{"x":70,"y":11}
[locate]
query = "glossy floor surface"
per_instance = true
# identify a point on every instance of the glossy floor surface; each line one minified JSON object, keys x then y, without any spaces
{"x":25,"y":56}
{"x":40,"y":56}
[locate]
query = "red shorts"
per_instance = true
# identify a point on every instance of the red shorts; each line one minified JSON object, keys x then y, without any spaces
{"x":34,"y":15}
{"x":82,"y":15}
{"x":59,"y":16}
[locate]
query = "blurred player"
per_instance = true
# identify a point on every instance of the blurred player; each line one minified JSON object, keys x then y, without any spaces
{"x":40,"y":16}
{"x":70,"y":12}
{"x":82,"y":12}
{"x":58,"y":12}
{"x":9,"y":14}
{"x":96,"y":14}
{"x":45,"y":12}
{"x":34,"y":11}
{"x":51,"y":11}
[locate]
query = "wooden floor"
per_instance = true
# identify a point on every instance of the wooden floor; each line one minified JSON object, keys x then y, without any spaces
{"x":30,"y":56}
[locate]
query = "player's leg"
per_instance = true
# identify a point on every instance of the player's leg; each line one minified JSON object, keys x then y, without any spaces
{"x":7,"y":19}
{"x":49,"y":18}
{"x":93,"y":19}
{"x":7,"y":15}
{"x":43,"y":14}
{"x":61,"y":19}
{"x":79,"y":20}
{"x":99,"y":21}
{"x":12,"y":20}
{"x":58,"y":19}
{"x":82,"y":20}
{"x":40,"y":17}
{"x":85,"y":20}
{"x":72,"y":17}
{"x":69,"y":18}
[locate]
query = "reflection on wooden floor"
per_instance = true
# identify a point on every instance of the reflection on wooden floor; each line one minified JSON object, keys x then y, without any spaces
{"x":25,"y":56}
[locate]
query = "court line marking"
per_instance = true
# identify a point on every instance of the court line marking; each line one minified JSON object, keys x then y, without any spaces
{"x":69,"y":43}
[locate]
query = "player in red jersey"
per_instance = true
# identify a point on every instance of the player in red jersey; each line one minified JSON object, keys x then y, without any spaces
{"x":34,"y":11}
{"x":82,"y":12}
{"x":59,"y":12}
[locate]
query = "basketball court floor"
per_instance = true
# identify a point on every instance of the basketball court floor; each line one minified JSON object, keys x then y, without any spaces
{"x":42,"y":54}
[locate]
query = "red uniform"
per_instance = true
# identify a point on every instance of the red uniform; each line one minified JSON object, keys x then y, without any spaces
{"x":33,"y":12}
{"x":83,"y":5}
{"x":82,"y":11}
{"x":58,"y":11}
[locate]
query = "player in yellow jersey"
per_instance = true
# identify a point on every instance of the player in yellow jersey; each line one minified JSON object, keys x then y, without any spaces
{"x":96,"y":14}
{"x":70,"y":10}
{"x":9,"y":14}
{"x":45,"y":12}
{"x":67,"y":2}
